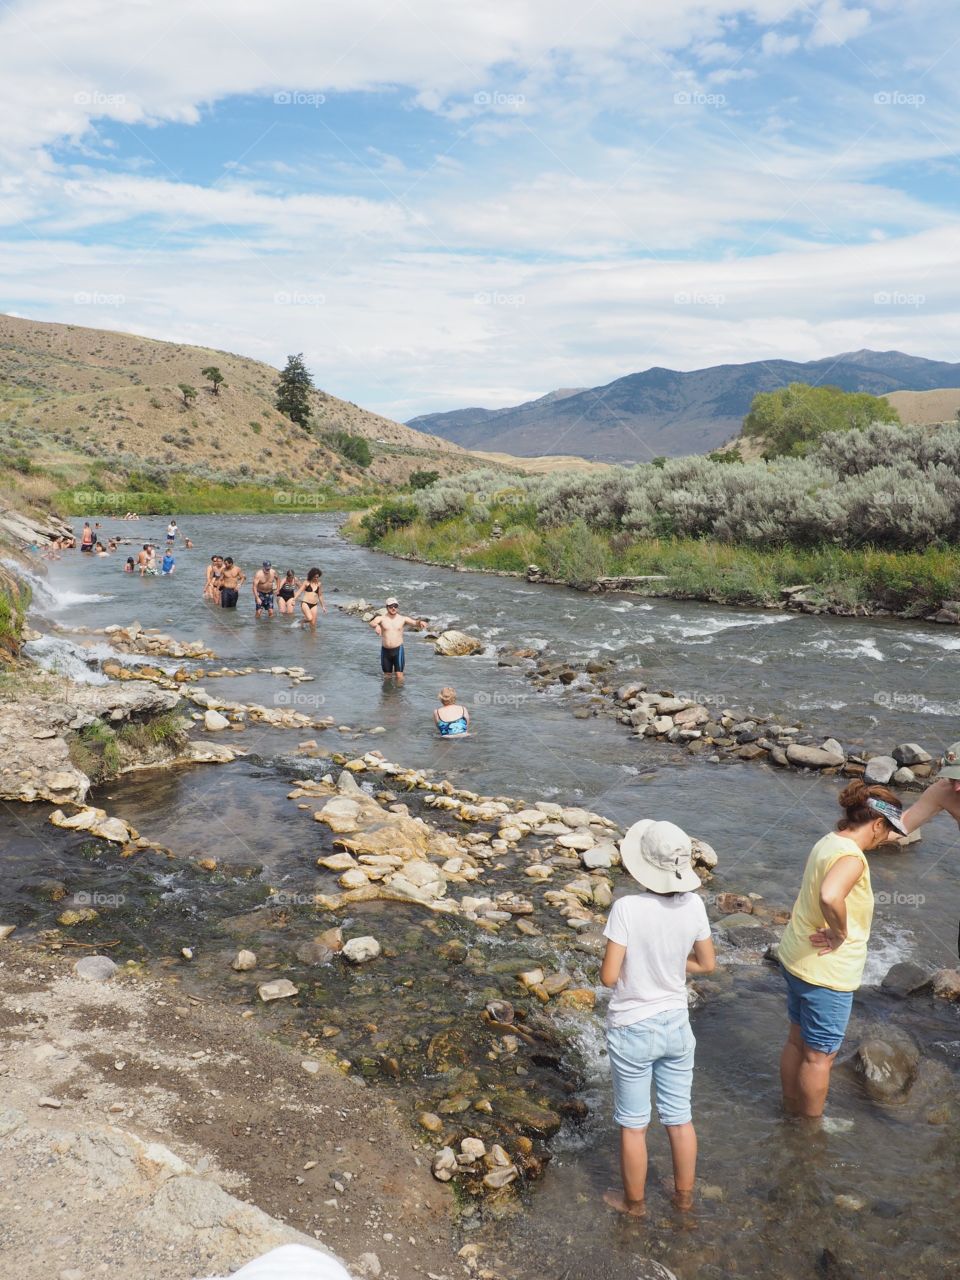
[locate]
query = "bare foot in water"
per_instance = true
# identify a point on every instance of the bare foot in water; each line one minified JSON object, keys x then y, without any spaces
{"x":633,"y":1208}
{"x":682,"y":1201}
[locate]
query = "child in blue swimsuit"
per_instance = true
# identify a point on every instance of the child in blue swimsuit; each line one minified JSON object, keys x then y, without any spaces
{"x":451,"y":719}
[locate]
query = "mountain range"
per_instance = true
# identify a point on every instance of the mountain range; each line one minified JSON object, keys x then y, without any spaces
{"x":668,"y":412}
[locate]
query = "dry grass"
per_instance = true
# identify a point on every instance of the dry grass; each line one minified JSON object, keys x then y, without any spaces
{"x":547,"y":464}
{"x":67,"y":393}
{"x":926,"y":408}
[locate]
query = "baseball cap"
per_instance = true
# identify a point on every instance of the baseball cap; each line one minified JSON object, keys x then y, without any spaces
{"x":659,"y":856}
{"x":950,"y":763}
{"x":267,"y":564}
{"x":391,"y":600}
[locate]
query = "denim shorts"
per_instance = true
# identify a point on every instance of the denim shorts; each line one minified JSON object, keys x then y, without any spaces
{"x":821,"y":1013}
{"x":660,"y":1048}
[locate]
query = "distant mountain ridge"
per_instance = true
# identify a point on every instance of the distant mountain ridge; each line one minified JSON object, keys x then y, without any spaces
{"x":667,"y":412}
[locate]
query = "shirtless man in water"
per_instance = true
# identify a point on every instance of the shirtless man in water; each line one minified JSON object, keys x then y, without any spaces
{"x":231,"y":581}
{"x":942,"y":796}
{"x":389,"y":627}
{"x":264,"y":588}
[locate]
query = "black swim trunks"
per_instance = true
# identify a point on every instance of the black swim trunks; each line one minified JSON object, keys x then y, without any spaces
{"x":391,"y":660}
{"x":229,"y":597}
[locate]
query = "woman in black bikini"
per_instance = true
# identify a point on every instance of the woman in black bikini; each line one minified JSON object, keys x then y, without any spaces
{"x":312,"y":592}
{"x":288,"y":589}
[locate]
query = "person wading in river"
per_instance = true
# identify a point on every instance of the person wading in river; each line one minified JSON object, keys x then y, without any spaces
{"x":824,"y":946}
{"x":312,"y":591}
{"x":389,"y":627}
{"x":211,"y":587}
{"x":264,"y":589}
{"x":654,"y":940}
{"x":232,"y":579}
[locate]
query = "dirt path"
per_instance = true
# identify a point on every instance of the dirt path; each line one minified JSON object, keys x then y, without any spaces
{"x":134,"y":1062}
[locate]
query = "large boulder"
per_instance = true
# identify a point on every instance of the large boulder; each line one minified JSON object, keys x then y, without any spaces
{"x":814,"y":757}
{"x":457,"y":644}
{"x":904,"y":979}
{"x":911,"y":753}
{"x":879,"y":770}
{"x":887,"y":1059}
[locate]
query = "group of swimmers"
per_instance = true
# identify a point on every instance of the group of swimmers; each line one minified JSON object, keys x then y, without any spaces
{"x":225,"y":578}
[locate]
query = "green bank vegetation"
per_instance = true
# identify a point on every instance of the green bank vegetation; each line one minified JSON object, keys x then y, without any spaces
{"x":868,"y":517}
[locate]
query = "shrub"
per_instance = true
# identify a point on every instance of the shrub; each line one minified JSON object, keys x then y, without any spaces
{"x":392,"y":514}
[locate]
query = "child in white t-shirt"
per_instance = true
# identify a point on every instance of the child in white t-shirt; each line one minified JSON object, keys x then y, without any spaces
{"x":654,"y":940}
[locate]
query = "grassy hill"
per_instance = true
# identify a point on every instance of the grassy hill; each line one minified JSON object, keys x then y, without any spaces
{"x":927,"y":408}
{"x":84,"y":409}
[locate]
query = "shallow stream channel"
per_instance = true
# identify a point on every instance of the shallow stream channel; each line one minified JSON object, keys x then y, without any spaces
{"x":873,"y":1194}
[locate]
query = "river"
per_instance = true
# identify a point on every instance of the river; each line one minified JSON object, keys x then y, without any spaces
{"x":772,"y":1209}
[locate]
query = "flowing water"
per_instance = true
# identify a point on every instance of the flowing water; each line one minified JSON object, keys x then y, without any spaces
{"x":772,"y":1206}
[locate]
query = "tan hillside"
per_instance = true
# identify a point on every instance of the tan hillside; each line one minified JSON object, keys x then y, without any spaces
{"x":545,"y":465}
{"x":69,"y":394}
{"x":926,"y":408}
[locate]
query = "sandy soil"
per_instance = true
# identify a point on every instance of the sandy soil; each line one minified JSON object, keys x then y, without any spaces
{"x":134,"y":1061}
{"x":925,"y":408}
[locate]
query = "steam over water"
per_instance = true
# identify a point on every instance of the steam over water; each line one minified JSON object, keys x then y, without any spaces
{"x":773,"y":1206}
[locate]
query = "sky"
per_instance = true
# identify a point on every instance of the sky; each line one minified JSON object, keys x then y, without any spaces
{"x":445,"y":203}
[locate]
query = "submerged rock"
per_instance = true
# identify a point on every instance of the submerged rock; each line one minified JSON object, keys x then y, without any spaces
{"x":281,"y":989}
{"x":887,"y":1060}
{"x":360,"y":950}
{"x":904,"y":979}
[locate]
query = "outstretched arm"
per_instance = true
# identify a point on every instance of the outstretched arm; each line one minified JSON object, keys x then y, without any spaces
{"x":928,"y":806}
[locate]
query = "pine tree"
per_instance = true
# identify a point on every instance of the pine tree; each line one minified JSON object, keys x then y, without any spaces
{"x":293,"y":390}
{"x":214,"y":377}
{"x":189,"y":393}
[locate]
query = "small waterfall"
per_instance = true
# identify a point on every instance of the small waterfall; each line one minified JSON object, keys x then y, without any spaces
{"x":50,"y":599}
{"x":79,"y":662}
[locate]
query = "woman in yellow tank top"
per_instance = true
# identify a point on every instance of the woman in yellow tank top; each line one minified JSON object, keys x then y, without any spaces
{"x":824,"y":947}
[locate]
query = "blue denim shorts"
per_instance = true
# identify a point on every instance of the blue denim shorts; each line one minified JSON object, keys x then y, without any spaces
{"x":821,"y":1013}
{"x":660,"y":1049}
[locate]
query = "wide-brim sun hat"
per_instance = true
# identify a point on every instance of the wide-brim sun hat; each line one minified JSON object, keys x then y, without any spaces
{"x":950,"y":763}
{"x":659,"y":856}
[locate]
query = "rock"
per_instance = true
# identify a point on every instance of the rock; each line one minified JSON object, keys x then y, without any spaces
{"x":832,"y":745}
{"x":112,"y":829}
{"x":340,"y":814}
{"x":355,"y":878}
{"x":888,"y":1060}
{"x":77,"y":915}
{"x":946,"y":984}
{"x":879,"y":770}
{"x":244,"y":961}
{"x":813,"y":757}
{"x":213,"y":721}
{"x":95,"y":968}
{"x":498,"y":1178}
{"x":209,"y":752}
{"x":332,"y":938}
{"x":360,"y":950}
{"x":444,"y":1164}
{"x":457,"y":644}
{"x":501,"y":1011}
{"x":578,"y":998}
{"x":904,"y":777}
{"x":310,"y":1066}
{"x":368,"y":1266}
{"x":530,"y":977}
{"x":281,"y":989}
{"x":6,"y":930}
{"x":910,"y":753}
{"x":554,"y":983}
{"x":430,"y":1121}
{"x":527,"y":1116}
{"x":473,"y":1148}
{"x":729,"y":904}
{"x":904,"y":979}
{"x":579,"y":841}
{"x":703,"y":854}
{"x":601,"y":857}
{"x":751,"y":752}
{"x":54,"y":1103}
